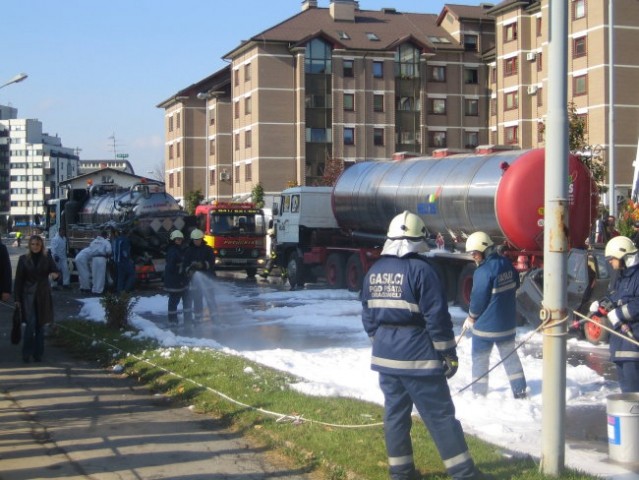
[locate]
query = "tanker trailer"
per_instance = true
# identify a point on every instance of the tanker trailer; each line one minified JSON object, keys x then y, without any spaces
{"x":501,"y":193}
{"x":144,"y":212}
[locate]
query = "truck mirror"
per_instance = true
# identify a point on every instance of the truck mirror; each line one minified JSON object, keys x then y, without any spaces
{"x":276,"y":209}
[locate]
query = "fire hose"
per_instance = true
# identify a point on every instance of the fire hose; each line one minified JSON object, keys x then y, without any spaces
{"x":604,"y":327}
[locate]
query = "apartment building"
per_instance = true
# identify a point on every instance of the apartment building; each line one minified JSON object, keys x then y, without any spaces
{"x":518,"y":78}
{"x":337,"y":83}
{"x":32,"y":165}
{"x":349,"y":84}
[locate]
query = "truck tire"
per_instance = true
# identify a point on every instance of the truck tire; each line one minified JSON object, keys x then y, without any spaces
{"x":335,"y":270}
{"x":465,"y":286}
{"x":594,"y":333}
{"x":251,"y":272}
{"x":354,"y":273}
{"x":294,"y":270}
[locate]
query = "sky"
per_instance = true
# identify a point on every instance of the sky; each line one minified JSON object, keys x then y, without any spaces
{"x":98,"y":68}
{"x":341,"y":364}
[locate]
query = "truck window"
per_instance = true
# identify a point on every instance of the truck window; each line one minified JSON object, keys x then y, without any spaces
{"x":295,"y":203}
{"x":201,"y":223}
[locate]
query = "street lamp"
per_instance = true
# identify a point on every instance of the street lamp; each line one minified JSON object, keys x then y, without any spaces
{"x":18,"y":78}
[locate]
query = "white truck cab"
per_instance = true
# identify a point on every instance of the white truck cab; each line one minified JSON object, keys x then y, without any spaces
{"x":300,"y":208}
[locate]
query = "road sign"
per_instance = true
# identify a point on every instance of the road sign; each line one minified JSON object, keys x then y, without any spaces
{"x":122,"y":155}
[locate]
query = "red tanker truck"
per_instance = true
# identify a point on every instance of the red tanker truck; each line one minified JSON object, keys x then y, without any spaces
{"x":337,"y":232}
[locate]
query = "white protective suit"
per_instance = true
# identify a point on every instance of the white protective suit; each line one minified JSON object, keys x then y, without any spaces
{"x":91,"y":264}
{"x":58,"y":248}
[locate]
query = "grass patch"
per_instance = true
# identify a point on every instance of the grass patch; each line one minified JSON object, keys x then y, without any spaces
{"x":315,"y":443}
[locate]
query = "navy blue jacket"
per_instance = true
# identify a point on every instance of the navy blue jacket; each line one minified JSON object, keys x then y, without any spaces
{"x":625,"y":294}
{"x":174,"y":276}
{"x":405,"y":313}
{"x":200,"y":258}
{"x":493,"y":302}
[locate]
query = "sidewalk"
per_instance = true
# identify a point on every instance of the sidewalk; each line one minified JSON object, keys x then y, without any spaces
{"x":70,"y":419}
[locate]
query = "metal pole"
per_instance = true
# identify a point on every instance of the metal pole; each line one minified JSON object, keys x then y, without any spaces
{"x":555,"y":245}
{"x":612,"y":195}
{"x":207,"y":148}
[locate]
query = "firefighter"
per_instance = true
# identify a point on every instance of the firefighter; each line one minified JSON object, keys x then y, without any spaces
{"x":621,"y":306}
{"x":272,"y":260}
{"x":199,"y":258}
{"x":492,"y":314}
{"x":123,"y":260}
{"x":175,"y":281}
{"x":405,"y":314}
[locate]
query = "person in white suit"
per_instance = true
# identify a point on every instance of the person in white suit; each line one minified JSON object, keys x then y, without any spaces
{"x":58,"y":249}
{"x":91,"y":263}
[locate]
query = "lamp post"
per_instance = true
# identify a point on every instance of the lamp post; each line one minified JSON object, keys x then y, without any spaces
{"x":18,"y":78}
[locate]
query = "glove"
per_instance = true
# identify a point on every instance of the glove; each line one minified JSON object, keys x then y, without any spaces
{"x":197,"y":265}
{"x":594,"y":307}
{"x":468,"y":323}
{"x":451,"y":364}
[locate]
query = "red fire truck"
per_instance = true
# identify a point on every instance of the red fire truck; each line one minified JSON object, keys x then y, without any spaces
{"x":237,"y":232}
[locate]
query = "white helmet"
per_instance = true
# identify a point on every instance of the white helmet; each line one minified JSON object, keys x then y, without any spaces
{"x":176,"y":234}
{"x":478,"y":242}
{"x":619,"y":247}
{"x":197,"y":234}
{"x":406,"y":225}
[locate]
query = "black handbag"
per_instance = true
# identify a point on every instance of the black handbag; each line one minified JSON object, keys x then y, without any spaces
{"x":16,"y":329}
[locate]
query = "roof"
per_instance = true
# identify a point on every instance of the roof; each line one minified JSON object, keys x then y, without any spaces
{"x":220,"y":80}
{"x":467,"y":12}
{"x":95,"y":173}
{"x":387,"y":24}
{"x":510,"y":5}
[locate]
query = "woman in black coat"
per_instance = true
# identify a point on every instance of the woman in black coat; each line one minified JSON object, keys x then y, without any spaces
{"x":33,"y":296}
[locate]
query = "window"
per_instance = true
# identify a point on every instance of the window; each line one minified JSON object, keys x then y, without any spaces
{"x":177,"y":120}
{"x":511,"y":135}
{"x":248,"y":139}
{"x":247,"y":106}
{"x":578,"y":9}
{"x":540,"y":61}
{"x":470,"y":43}
{"x":372,"y":36}
{"x":349,"y":136}
{"x":437,"y":139}
{"x":171,"y":180}
{"x":212,"y":177}
{"x":178,"y":150}
{"x":319,"y":135}
{"x":378,"y":137}
{"x":540,"y":97}
{"x":349,"y":101}
{"x":407,"y":104}
{"x":493,"y":74}
{"x":248,"y":172}
{"x":318,"y":57}
{"x":237,"y":141}
{"x":179,"y":179}
{"x":437,"y":73}
{"x":471,"y":107}
{"x":212,"y":147}
{"x":510,"y":32}
{"x":170,"y":123}
{"x":510,"y":66}
{"x":579,"y":47}
{"x":471,"y":76}
{"x":437,"y":106}
{"x":378,"y":103}
{"x":343,"y":35}
{"x":236,"y":109}
{"x":170,"y":152}
{"x":407,"y":61}
{"x":541,"y":129}
{"x":247,"y":72}
{"x":511,"y":100}
{"x":471,"y":139}
{"x":580,"y":85}
{"x":236,"y":77}
{"x":237,"y":173}
{"x":212,"y":118}
{"x":493,"y":106}
{"x":348,"y":68}
{"x":378,"y":70}
{"x":539,"y":26}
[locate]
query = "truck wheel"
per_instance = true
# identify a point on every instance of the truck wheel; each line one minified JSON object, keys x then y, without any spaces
{"x":335,"y":271}
{"x":251,"y":272}
{"x":294,"y":270}
{"x":594,"y":333}
{"x":465,"y":286}
{"x":354,"y":273}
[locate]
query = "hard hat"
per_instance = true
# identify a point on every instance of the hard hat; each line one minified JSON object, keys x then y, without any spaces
{"x":176,"y":234}
{"x":197,"y":234}
{"x":619,"y":247}
{"x":406,"y":225}
{"x":478,"y":242}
